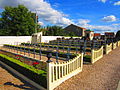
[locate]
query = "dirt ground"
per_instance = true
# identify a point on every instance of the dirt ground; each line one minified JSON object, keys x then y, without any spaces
{"x":11,"y":82}
{"x":102,"y":75}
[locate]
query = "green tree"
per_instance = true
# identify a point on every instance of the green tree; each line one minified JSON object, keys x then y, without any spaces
{"x":118,"y":35}
{"x":17,"y":21}
{"x":54,"y":31}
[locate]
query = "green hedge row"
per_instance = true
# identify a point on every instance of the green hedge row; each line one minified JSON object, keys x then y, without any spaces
{"x":55,"y":46}
{"x":60,"y":54}
{"x":39,"y":76}
{"x":87,"y":58}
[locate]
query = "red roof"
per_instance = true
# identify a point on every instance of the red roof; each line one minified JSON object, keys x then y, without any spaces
{"x":97,"y":34}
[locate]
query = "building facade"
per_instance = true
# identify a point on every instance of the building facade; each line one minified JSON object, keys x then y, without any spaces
{"x":78,"y":31}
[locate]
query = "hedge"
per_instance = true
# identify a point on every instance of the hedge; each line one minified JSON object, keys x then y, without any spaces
{"x":39,"y":76}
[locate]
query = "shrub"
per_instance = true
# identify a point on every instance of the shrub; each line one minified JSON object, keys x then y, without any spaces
{"x":39,"y":76}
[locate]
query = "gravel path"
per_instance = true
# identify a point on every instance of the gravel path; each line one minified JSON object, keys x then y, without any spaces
{"x":103,"y":75}
{"x":9,"y":82}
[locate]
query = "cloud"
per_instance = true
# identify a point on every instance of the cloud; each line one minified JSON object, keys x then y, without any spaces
{"x":43,"y":9}
{"x":40,"y":23}
{"x":117,"y":3}
{"x":98,"y":28}
{"x":103,"y":1}
{"x":116,"y":24}
{"x":83,"y":22}
{"x":110,"y":18}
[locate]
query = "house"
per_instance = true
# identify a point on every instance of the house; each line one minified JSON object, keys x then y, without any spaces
{"x":97,"y":36}
{"x":89,"y":34}
{"x":109,"y":35}
{"x":76,"y":30}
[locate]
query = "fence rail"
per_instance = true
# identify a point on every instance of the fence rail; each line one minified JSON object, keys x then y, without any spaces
{"x":59,"y":72}
{"x":96,"y":54}
{"x":108,"y":48}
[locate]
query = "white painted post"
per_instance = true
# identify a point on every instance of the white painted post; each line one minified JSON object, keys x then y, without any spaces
{"x":92,"y":56}
{"x":81,"y":60}
{"x":49,"y":76}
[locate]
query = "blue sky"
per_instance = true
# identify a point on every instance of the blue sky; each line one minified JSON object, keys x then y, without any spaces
{"x":99,"y":15}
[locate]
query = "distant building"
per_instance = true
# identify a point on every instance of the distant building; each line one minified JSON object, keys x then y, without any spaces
{"x":109,"y":34}
{"x":97,"y":36}
{"x":78,"y":31}
{"x":89,"y":34}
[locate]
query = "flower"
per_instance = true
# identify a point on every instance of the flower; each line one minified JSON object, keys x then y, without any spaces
{"x":35,"y":63}
{"x":18,"y":55}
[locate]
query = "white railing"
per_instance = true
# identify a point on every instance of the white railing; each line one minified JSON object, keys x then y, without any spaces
{"x":59,"y":72}
{"x":108,"y":48}
{"x":118,"y":43}
{"x":114,"y":45}
{"x":96,"y":54}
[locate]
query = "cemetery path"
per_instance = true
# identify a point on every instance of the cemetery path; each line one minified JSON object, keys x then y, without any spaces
{"x":9,"y":82}
{"x":102,"y":75}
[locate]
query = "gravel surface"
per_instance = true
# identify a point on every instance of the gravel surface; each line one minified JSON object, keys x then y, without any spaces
{"x":10,"y":82}
{"x":102,"y":75}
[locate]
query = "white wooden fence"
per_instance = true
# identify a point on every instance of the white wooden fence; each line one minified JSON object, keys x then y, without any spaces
{"x":59,"y":72}
{"x":96,"y":54}
{"x":108,"y":48}
{"x":118,"y":43}
{"x":114,"y":45}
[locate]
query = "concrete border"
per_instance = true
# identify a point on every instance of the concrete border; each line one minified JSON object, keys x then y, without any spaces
{"x":118,"y":88}
{"x":23,"y":77}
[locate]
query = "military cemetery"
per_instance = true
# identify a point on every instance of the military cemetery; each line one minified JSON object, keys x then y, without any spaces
{"x":53,"y":57}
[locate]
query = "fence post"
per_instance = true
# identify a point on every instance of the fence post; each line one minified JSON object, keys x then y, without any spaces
{"x":40,"y":51}
{"x":49,"y":74}
{"x":24,"y":48}
{"x":92,"y":56}
{"x":92,"y":53}
{"x":82,"y":60}
{"x":57,"y":57}
{"x":17,"y":47}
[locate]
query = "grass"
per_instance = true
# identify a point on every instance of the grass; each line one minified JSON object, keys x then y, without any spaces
{"x":39,"y":76}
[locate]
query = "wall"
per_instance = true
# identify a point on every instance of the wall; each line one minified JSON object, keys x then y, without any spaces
{"x":20,"y":39}
{"x":14,"y":39}
{"x":49,"y":38}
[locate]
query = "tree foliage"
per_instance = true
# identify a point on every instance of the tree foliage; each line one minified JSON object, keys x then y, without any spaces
{"x":17,"y":21}
{"x":118,"y":35}
{"x":53,"y":31}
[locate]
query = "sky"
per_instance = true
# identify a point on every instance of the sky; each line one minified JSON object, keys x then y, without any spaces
{"x":98,"y":15}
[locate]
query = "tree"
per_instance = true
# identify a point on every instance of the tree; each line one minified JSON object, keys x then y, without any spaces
{"x":17,"y":21}
{"x":54,"y":31}
{"x":118,"y":35}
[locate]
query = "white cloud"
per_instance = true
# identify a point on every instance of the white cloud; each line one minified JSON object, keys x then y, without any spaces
{"x":44,"y":10}
{"x":40,"y":23}
{"x":116,"y":24}
{"x":83,"y":21}
{"x":103,"y":1}
{"x":97,"y":28}
{"x":110,"y":18}
{"x":117,"y":3}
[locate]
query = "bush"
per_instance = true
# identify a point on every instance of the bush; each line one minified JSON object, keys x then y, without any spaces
{"x":39,"y":76}
{"x":60,"y":54}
